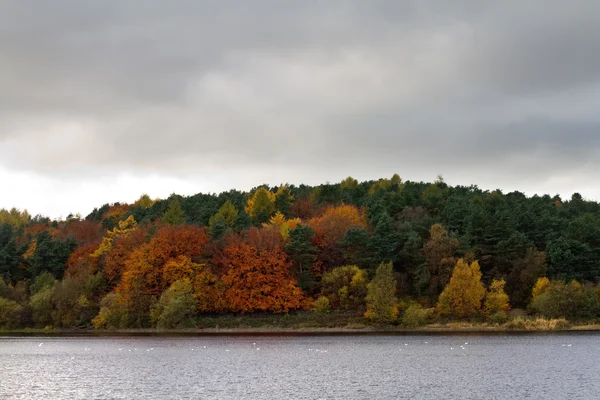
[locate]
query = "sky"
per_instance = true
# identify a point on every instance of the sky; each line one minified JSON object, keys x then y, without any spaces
{"x":101,"y":101}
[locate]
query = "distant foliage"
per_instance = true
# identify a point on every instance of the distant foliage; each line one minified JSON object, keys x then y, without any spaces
{"x":278,"y":249}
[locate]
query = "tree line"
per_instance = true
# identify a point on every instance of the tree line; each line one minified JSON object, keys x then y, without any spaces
{"x":390,"y":250}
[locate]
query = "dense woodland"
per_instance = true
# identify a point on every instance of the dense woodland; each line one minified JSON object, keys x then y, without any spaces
{"x":388,"y":250}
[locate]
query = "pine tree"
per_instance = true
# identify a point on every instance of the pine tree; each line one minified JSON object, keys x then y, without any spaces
{"x":174,"y":214}
{"x":302,"y":253}
{"x":385,"y":240}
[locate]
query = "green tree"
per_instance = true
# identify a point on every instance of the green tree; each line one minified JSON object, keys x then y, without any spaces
{"x":113,"y":313}
{"x":345,"y":287}
{"x":10,"y":254}
{"x":11,"y":314}
{"x":382,"y":304}
{"x":42,"y":306}
{"x":174,"y":214}
{"x":566,"y":300}
{"x":176,"y":307}
{"x":283,"y":200}
{"x":386,"y":239}
{"x":462,"y":296}
{"x":302,"y":253}
{"x":227,"y":213}
{"x":357,"y":248}
{"x":50,"y":255}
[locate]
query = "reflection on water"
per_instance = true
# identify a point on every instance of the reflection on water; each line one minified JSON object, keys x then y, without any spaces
{"x":562,"y":366}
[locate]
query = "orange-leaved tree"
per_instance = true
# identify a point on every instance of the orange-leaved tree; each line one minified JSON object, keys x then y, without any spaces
{"x":153,"y":266}
{"x":260,"y":280}
{"x":330,"y":229}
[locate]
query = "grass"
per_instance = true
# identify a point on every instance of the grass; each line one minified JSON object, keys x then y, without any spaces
{"x":337,"y":322}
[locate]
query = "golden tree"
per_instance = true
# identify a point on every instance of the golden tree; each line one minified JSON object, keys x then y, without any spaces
{"x":495,"y":298}
{"x":540,"y":287}
{"x":462,"y":296}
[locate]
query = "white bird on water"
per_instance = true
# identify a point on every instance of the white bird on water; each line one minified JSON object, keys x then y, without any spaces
{"x":40,"y":345}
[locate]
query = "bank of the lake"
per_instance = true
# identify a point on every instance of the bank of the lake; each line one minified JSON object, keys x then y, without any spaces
{"x":443,"y":329}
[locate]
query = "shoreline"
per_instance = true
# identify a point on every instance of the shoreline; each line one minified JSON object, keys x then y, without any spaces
{"x":323,"y":331}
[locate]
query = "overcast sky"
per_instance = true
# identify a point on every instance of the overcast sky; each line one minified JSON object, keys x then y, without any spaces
{"x":102,"y":101}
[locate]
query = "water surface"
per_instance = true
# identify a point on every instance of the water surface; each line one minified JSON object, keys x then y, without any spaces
{"x":556,"y":366}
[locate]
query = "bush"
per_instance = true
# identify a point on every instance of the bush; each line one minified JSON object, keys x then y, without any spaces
{"x":566,"y":300}
{"x":416,"y":315}
{"x":42,"y":282}
{"x":113,"y":313}
{"x":42,"y":304}
{"x":321,"y":305}
{"x":11,"y":314}
{"x":499,"y":317}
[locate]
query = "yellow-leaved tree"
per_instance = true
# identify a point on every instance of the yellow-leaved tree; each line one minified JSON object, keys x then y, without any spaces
{"x":382,"y":303}
{"x":495,"y":298}
{"x":540,"y":287}
{"x":261,"y":206}
{"x":284,"y":225}
{"x":462,"y":296}
{"x":125,"y":227}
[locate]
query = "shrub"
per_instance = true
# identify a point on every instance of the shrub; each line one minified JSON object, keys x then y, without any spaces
{"x":42,"y":304}
{"x":11,"y":314}
{"x":499,"y":317}
{"x":566,"y":300}
{"x":415,"y":315}
{"x":113,"y":313}
{"x":176,"y":307}
{"x":321,"y":305}
{"x":42,"y":282}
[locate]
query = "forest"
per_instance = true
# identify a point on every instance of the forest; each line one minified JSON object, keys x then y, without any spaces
{"x":387,"y":251}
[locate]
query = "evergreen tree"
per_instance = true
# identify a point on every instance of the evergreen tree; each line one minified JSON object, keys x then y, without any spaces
{"x":302,"y":253}
{"x":385,"y":242}
{"x":357,"y":248}
{"x":174,"y":214}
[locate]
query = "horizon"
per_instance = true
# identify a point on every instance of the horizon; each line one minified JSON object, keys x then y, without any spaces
{"x":249,"y":190}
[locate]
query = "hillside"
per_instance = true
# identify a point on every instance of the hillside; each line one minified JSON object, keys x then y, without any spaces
{"x":278,"y":249}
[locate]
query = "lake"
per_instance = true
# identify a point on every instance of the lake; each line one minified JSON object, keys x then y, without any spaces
{"x":526,"y":366}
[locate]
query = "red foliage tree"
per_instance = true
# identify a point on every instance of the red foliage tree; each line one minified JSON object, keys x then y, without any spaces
{"x":145,"y":268}
{"x":260,"y":280}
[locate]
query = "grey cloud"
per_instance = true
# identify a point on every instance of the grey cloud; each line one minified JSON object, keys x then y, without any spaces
{"x":311,"y":88}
